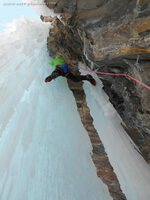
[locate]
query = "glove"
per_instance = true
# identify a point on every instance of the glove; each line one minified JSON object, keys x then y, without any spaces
{"x":48,"y":79}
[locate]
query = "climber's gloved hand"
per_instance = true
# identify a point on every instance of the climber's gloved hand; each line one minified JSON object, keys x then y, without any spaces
{"x":48,"y":79}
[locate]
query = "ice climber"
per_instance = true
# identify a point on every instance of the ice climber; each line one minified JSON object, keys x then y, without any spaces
{"x":61,"y":69}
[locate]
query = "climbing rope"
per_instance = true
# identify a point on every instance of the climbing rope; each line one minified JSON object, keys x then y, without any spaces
{"x":112,"y":74}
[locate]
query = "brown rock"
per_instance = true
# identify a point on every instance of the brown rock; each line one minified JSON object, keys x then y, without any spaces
{"x":112,"y":33}
{"x":99,"y":156}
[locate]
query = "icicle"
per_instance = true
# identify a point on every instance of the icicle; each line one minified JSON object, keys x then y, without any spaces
{"x":137,"y":64}
{"x":85,"y":54}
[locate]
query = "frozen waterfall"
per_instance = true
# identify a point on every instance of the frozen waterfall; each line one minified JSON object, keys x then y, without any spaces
{"x":44,"y":148}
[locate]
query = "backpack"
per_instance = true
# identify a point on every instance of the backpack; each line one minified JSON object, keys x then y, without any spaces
{"x":65,"y":68}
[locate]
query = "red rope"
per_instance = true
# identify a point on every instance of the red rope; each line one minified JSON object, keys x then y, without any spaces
{"x":111,"y":74}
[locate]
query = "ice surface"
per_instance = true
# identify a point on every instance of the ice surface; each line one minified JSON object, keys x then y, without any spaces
{"x":131,"y":169}
{"x":44,"y":149}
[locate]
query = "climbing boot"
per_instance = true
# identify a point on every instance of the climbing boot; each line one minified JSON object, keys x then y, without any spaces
{"x":91,"y":80}
{"x":48,"y":79}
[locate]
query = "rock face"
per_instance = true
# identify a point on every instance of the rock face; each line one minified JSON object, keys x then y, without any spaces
{"x":112,"y":34}
{"x":115,"y":36}
{"x":99,"y":156}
